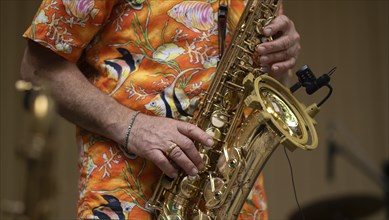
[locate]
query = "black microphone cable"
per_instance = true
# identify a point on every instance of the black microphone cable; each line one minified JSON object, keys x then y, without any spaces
{"x":294,"y":185}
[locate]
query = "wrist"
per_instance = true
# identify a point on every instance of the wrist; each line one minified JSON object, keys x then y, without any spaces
{"x":124,"y":147}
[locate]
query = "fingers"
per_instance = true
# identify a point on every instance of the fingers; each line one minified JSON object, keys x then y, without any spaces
{"x":180,"y":158}
{"x":185,"y":153}
{"x":169,"y":144}
{"x":281,"y":60}
{"x":282,"y":67}
{"x":195,"y":133}
{"x":187,"y":146}
{"x":281,"y":53}
{"x":288,"y":38}
{"x":279,"y":24}
{"x":280,"y":44}
{"x":160,"y":160}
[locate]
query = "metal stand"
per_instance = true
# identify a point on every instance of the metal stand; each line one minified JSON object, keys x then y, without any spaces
{"x":360,"y":163}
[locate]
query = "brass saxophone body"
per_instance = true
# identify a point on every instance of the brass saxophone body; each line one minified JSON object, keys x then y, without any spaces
{"x":248,"y":114}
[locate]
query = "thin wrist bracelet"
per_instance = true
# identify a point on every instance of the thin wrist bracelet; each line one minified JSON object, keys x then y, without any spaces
{"x":124,"y":147}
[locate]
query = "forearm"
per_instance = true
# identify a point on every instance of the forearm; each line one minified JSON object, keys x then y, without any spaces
{"x":83,"y":104}
{"x":77,"y":99}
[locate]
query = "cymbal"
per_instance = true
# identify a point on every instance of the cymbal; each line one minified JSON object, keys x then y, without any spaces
{"x":340,"y":208}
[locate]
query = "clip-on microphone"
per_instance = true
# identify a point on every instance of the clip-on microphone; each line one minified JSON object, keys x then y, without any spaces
{"x":308,"y":80}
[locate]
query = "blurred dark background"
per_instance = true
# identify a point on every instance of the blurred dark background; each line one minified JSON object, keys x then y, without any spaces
{"x":353,"y":125}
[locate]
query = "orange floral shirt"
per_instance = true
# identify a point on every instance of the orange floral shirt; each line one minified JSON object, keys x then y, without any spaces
{"x":141,"y":54}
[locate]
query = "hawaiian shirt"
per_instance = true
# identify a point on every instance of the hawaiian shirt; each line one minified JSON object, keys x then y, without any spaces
{"x":153,"y":56}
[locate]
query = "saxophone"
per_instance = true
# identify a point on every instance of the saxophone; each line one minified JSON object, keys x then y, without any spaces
{"x":248,"y":114}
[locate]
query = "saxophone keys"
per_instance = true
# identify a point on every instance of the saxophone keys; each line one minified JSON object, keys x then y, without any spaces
{"x":229,"y":162}
{"x":199,"y":215}
{"x":250,"y":45}
{"x":259,"y":27}
{"x":218,"y":119}
{"x":206,"y":160}
{"x":213,"y":195}
{"x":231,"y":100}
{"x":188,"y":186}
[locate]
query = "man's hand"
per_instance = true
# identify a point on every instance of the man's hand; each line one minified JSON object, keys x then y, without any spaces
{"x":281,"y":53}
{"x":151,"y":138}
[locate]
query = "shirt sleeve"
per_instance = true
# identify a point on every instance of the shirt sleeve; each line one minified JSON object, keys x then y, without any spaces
{"x":67,"y":26}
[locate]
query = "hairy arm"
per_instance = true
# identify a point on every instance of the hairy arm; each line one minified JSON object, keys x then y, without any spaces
{"x":77,"y":99}
{"x":83,"y":104}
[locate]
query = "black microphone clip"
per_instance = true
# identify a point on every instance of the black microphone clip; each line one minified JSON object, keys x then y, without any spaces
{"x":308,"y":80}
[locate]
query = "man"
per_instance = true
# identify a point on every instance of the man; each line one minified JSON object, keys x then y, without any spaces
{"x":105,"y":60}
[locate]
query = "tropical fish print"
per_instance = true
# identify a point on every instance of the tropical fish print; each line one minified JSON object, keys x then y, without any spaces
{"x":195,"y":15}
{"x":111,"y":210}
{"x":168,"y":51}
{"x":121,"y":67}
{"x":152,"y":56}
{"x":80,"y":8}
{"x":136,"y":4}
{"x":172,"y":102}
{"x":169,"y":104}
